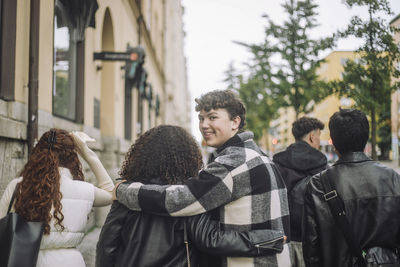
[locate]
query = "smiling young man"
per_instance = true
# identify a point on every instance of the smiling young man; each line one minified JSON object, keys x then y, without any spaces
{"x":240,"y":185}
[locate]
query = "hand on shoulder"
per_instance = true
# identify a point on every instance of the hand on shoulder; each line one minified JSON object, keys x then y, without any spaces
{"x":114,"y":195}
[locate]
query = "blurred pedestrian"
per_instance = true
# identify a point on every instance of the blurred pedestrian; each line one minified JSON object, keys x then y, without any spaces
{"x":297,"y":164}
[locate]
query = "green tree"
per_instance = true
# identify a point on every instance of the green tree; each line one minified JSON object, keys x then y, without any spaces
{"x":282,"y":69}
{"x":294,"y":75}
{"x":367,"y":80}
{"x":259,"y":99}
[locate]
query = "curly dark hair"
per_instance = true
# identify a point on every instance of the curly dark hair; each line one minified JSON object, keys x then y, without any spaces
{"x":39,"y":189}
{"x":226,"y":99}
{"x":349,"y":129}
{"x":304,"y":125}
{"x":167,"y":152}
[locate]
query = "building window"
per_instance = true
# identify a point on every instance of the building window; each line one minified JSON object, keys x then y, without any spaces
{"x":8,"y":22}
{"x":71,"y":18}
{"x":64,"y":68}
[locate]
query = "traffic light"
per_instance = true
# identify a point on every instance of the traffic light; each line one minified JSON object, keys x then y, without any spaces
{"x":134,"y":66}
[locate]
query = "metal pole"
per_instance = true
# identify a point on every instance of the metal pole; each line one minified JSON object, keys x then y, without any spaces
{"x":33,"y":83}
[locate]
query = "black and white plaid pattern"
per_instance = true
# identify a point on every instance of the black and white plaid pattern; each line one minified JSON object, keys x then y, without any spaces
{"x":241,"y":182}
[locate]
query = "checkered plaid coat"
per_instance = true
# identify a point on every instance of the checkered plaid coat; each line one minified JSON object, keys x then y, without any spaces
{"x":243,"y":185}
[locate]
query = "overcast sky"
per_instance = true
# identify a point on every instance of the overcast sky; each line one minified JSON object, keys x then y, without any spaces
{"x":212,"y":25}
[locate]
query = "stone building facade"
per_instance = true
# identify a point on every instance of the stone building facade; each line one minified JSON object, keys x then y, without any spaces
{"x":54,"y":73}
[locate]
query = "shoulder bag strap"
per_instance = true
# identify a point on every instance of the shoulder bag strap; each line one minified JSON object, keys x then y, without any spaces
{"x":11,"y":202}
{"x":336,"y":206}
{"x":185,"y":240}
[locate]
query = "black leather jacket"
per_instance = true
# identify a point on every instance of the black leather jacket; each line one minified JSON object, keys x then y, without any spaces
{"x":371,"y":195}
{"x":130,"y":238}
{"x":298,"y":161}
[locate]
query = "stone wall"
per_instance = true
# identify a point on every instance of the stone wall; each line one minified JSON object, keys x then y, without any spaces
{"x":13,"y":147}
{"x":13,"y":155}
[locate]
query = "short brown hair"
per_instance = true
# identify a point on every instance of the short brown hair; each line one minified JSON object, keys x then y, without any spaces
{"x":304,"y":125}
{"x":226,"y":99}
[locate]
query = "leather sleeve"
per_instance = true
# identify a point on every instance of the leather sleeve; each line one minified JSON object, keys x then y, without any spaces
{"x":110,"y":236}
{"x":311,"y":247}
{"x":208,"y":237}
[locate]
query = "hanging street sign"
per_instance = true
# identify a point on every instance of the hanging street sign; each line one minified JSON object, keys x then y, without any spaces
{"x":115,"y":56}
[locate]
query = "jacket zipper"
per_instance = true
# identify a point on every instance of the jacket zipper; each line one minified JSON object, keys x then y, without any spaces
{"x":258,"y":245}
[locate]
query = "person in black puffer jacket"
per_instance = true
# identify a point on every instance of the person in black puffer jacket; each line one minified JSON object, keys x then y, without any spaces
{"x":133,"y":238}
{"x":297,"y":164}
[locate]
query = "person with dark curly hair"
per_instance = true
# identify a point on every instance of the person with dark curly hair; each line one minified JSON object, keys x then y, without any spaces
{"x":168,"y":155}
{"x":240,"y":184}
{"x":52,"y":190}
{"x":297,"y":163}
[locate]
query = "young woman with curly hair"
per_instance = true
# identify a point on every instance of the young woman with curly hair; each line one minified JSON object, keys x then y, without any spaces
{"x":52,"y":190}
{"x":167,"y":155}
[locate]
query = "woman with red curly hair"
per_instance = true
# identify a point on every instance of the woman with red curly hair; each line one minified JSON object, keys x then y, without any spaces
{"x":52,"y":190}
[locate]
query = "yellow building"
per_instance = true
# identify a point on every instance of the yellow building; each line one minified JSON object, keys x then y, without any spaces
{"x":72,"y":67}
{"x":331,"y":69}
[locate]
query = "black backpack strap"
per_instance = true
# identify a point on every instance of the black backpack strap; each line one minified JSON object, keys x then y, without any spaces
{"x":185,"y":240}
{"x":336,"y":206}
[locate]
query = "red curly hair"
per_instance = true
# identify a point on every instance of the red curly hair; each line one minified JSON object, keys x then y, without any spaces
{"x":39,"y":189}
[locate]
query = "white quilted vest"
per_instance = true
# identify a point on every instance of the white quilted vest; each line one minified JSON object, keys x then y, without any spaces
{"x":59,"y":247}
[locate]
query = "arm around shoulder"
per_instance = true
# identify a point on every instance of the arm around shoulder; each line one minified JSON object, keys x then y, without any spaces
{"x":208,"y":237}
{"x":179,"y":200}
